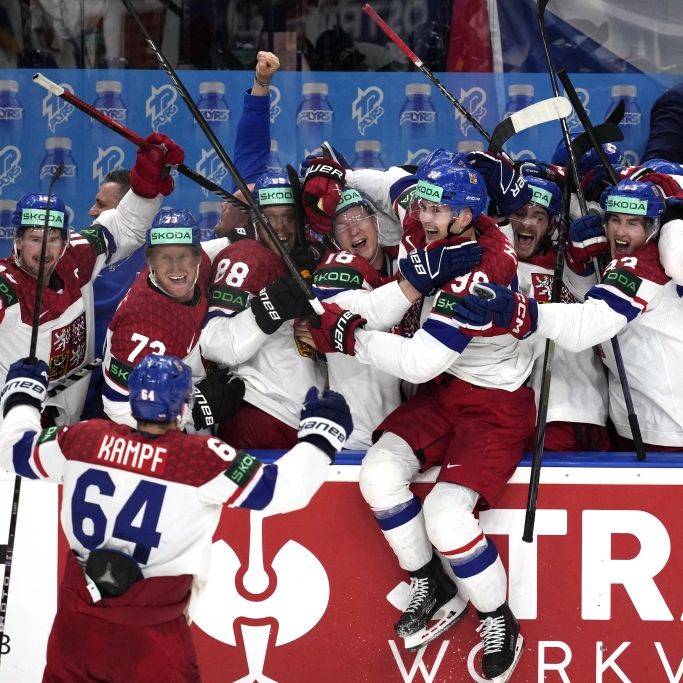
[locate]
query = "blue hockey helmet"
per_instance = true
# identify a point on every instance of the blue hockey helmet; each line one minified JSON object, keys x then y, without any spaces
{"x":173,"y":227}
{"x":440,"y":157}
{"x":546,"y":194}
{"x":636,"y":198}
{"x":590,"y":159}
{"x":159,"y":387}
{"x":273,"y":189}
{"x":663,"y":166}
{"x":454,"y":186}
{"x":31,"y":209}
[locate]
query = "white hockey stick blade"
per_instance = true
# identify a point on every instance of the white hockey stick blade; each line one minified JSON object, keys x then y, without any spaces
{"x":448,"y":615}
{"x":505,"y":676}
{"x":552,"y":109}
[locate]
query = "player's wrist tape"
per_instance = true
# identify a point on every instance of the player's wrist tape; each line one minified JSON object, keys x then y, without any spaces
{"x":323,"y":433}
{"x":22,"y":390}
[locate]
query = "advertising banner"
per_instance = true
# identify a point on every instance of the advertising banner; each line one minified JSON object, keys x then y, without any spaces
{"x":312,"y":596}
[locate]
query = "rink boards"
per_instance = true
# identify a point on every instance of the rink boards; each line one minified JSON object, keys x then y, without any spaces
{"x":312,"y":596}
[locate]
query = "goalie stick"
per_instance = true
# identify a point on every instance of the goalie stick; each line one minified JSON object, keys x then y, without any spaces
{"x":97,"y":115}
{"x":225,"y":159}
{"x":533,"y":115}
{"x":35,"y":327}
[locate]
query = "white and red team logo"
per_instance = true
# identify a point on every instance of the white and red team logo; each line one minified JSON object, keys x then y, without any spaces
{"x":67,"y":347}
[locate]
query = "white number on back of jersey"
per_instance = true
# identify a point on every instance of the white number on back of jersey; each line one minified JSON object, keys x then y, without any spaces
{"x":233,"y":274}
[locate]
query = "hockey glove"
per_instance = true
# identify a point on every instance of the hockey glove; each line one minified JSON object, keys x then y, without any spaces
{"x":325,"y":421}
{"x":307,"y":256}
{"x":439,"y":263}
{"x":334,"y":330}
{"x":25,"y":384}
{"x":216,"y":399}
{"x":281,"y":300}
{"x":323,"y":185}
{"x":506,"y":188}
{"x":150,"y":173}
{"x":502,"y":307}
{"x":587,"y":240}
{"x":542,"y":170}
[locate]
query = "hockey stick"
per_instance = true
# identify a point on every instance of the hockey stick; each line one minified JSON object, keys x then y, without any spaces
{"x":76,"y":375}
{"x":11,"y":535}
{"x":223,"y":156}
{"x":97,"y":115}
{"x":369,"y":10}
{"x":552,"y":109}
{"x":605,"y":132}
{"x":616,"y":349}
{"x":533,"y":115}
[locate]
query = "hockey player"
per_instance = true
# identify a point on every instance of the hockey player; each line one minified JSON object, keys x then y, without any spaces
{"x":252,"y":302}
{"x":66,"y":332}
{"x":635,"y":300}
{"x":163,"y":313}
{"x":473,"y":415}
{"x":577,"y":404}
{"x":139,"y":507}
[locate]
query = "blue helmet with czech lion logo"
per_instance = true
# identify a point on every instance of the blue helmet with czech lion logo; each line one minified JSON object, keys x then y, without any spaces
{"x":455,"y":186}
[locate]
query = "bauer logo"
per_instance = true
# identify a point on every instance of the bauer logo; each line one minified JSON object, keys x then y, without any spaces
{"x":160,"y":106}
{"x":210,"y":166}
{"x":107,"y":160}
{"x":474,"y":101}
{"x":275,"y":108}
{"x":367,"y":108}
{"x":10,"y":169}
{"x":56,"y":110}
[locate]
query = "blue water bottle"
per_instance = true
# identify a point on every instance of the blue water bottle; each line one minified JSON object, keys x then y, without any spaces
{"x":275,"y":164}
{"x":314,"y":118}
{"x":11,"y":114}
{"x":214,"y":108}
{"x":522,"y":145}
{"x":632,"y":123}
{"x":6,"y":228}
{"x":110,"y":103}
{"x":209,"y":216}
{"x":66,"y":187}
{"x":417,"y":122}
{"x":368,"y":155}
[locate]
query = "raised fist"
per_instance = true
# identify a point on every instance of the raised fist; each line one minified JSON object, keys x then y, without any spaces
{"x":150,"y":175}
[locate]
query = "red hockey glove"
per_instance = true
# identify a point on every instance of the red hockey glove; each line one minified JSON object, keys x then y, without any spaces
{"x":150,"y":174}
{"x":323,"y":185}
{"x":334,"y":330}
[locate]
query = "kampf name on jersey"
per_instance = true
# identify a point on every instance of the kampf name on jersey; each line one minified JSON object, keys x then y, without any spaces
{"x":132,"y":455}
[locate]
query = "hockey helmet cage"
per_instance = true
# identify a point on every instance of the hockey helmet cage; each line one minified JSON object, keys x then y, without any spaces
{"x":159,"y":387}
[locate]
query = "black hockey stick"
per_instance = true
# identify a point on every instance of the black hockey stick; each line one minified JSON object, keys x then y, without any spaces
{"x":11,"y":535}
{"x":605,"y":132}
{"x":133,"y":137}
{"x":223,"y":156}
{"x":616,"y":349}
{"x":573,"y":179}
{"x":74,"y":377}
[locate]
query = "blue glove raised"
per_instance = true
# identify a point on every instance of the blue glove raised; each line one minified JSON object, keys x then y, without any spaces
{"x":325,"y":421}
{"x":25,"y":384}
{"x":499,"y":305}
{"x":587,"y":240}
{"x":507,"y":189}
{"x":439,"y":263}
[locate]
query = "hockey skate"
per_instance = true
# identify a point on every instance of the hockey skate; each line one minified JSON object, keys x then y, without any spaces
{"x":433,"y":597}
{"x":503,"y":643}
